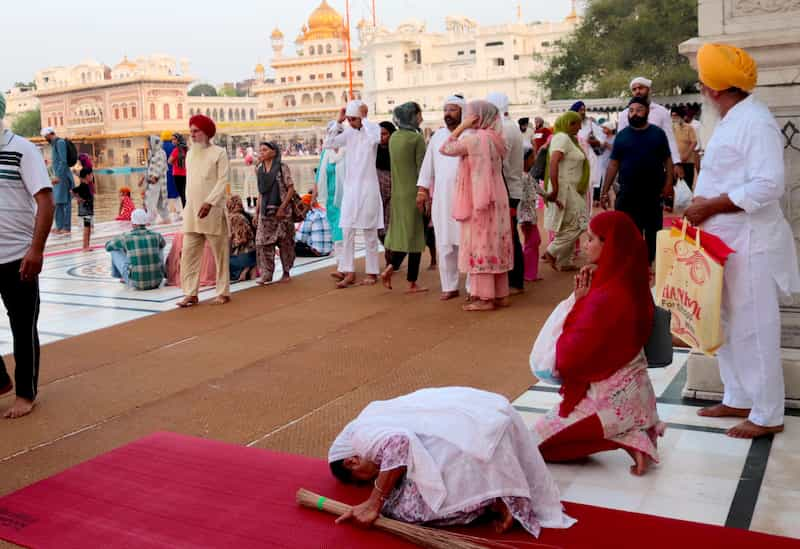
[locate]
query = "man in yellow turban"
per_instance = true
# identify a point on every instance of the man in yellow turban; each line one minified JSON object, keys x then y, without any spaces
{"x":737,"y":198}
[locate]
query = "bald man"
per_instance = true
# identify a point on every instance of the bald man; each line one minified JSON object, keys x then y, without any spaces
{"x":737,"y":198}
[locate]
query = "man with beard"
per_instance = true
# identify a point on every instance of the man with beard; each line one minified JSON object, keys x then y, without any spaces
{"x":659,"y":116}
{"x":641,"y":156}
{"x":738,"y":198}
{"x":442,"y":170}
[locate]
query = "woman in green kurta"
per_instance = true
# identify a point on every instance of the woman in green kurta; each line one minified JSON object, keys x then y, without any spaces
{"x":406,"y":233}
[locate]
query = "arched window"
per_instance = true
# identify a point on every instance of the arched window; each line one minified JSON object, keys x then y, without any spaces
{"x":328,"y":49}
{"x":180,"y":111}
{"x":116,"y":113}
{"x":125,"y":112}
{"x":215,"y":115}
{"x":208,"y":112}
{"x":166,"y":111}
{"x":230,"y":114}
{"x":152,"y":111}
{"x":222,"y":115}
{"x":48,"y":121}
{"x":344,"y":97}
{"x":133,"y":111}
{"x":243,"y":114}
{"x":318,"y":99}
{"x":330,"y":98}
{"x":311,"y":50}
{"x":61,"y":120}
{"x":306,"y":99}
{"x":252,"y":114}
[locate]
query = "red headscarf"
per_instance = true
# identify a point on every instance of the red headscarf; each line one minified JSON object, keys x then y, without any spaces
{"x":609,"y":326}
{"x":204,"y":124}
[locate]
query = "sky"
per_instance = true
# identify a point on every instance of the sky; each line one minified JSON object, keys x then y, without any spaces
{"x":223,"y":39}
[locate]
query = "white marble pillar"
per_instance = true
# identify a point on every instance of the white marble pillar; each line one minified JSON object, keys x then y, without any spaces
{"x":770,"y":31}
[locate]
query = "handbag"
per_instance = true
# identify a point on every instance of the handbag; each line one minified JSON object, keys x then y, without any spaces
{"x":299,"y":208}
{"x":658,"y":348}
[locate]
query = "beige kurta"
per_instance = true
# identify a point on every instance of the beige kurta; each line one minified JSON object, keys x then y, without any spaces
{"x":206,"y":179}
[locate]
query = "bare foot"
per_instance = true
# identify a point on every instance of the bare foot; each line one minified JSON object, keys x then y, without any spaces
{"x":6,"y":388}
{"x":348,"y":280}
{"x":516,"y":291}
{"x":641,"y":462}
{"x":549,"y":258}
{"x":243,"y":275}
{"x":286,"y":278}
{"x":446,"y":296}
{"x":414,"y":289}
{"x":89,"y":249}
{"x":21,"y":407}
{"x":433,"y":267}
{"x":720,"y":410}
{"x":506,"y":520}
{"x":479,"y":305}
{"x":502,"y":302}
{"x":371,"y":280}
{"x":188,"y":301}
{"x":748,"y":429}
{"x":337,"y":275}
{"x":566,"y":268}
{"x":221,"y":300}
{"x":386,"y":277}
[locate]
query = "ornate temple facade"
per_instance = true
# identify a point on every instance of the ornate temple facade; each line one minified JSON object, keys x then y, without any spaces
{"x":313,"y":83}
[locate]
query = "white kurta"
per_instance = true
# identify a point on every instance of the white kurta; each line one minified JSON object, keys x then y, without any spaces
{"x":588,"y":127}
{"x":514,"y":160}
{"x":445,"y":425}
{"x":661,"y":117}
{"x":440,"y":171}
{"x":744,"y":159}
{"x":362,"y":207}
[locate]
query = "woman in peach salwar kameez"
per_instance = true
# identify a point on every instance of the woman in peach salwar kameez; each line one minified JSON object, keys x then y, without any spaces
{"x":208,"y":269}
{"x":481,"y":205}
{"x":608,"y":400}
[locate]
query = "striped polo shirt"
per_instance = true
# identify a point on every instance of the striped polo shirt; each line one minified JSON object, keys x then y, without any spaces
{"x":22,"y":175}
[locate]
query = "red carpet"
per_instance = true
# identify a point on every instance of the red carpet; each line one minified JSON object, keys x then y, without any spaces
{"x":169,"y":490}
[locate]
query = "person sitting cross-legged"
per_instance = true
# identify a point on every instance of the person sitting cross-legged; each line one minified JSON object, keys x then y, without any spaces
{"x":136,"y":256}
{"x":314,"y":238}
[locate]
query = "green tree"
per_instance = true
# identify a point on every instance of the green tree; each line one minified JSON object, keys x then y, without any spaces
{"x":227,"y":91}
{"x":619,"y":40}
{"x":28,"y":124}
{"x":206,"y":90}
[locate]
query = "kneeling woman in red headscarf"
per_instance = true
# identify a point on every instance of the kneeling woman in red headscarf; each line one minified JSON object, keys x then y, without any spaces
{"x":608,"y":400}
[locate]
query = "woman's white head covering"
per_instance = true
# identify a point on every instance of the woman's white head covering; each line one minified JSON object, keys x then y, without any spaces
{"x":499,"y":100}
{"x":354,"y":108}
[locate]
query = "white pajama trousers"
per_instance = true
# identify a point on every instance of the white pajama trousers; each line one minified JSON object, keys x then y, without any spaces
{"x":448,"y":267}
{"x":750,"y":360}
{"x":347,"y":259}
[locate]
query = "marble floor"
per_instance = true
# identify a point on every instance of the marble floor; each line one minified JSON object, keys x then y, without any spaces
{"x":703,"y":475}
{"x":79,"y":295}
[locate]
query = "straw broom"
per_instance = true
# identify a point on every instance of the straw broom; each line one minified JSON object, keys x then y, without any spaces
{"x":431,"y":538}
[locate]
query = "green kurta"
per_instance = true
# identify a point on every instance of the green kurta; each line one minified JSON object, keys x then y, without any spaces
{"x":406,"y":231}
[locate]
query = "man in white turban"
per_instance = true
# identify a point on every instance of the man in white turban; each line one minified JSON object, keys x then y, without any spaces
{"x":659,"y":116}
{"x":438,"y":176}
{"x":737,"y":198}
{"x":362,"y":207}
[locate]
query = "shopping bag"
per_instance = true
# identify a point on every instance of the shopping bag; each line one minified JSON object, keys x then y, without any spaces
{"x":658,"y":349}
{"x":543,"y":354}
{"x":682,"y":197}
{"x":689,"y":269}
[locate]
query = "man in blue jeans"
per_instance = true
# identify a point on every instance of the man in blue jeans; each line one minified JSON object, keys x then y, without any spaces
{"x":63,"y":182}
{"x":136,"y":257}
{"x":26,"y":203}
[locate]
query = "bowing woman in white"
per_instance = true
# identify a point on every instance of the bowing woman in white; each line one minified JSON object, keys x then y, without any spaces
{"x":439,"y":173}
{"x":362,"y":207}
{"x":737,"y":197}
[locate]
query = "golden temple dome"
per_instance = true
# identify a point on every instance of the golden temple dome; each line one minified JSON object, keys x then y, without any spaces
{"x":259,"y":69}
{"x":276,"y":34}
{"x":125,"y":64}
{"x":324,"y":22}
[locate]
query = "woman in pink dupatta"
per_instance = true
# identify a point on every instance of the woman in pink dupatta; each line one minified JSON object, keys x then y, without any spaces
{"x":481,"y":205}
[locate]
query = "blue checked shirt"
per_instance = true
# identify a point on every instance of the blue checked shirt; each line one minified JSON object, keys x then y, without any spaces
{"x":143,"y":248}
{"x":316,"y":232}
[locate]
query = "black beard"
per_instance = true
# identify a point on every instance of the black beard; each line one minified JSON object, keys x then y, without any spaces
{"x":637,"y":121}
{"x":449,"y":121}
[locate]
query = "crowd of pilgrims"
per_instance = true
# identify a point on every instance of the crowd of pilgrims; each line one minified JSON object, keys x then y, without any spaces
{"x":449,"y":455}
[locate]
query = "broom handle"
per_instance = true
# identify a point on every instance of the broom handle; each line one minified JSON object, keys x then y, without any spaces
{"x":321,"y":503}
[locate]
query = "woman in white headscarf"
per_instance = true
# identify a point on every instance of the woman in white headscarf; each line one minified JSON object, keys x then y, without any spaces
{"x":155,"y":195}
{"x":447,"y":456}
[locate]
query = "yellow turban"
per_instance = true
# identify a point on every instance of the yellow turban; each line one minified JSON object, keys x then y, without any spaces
{"x":166,"y":135}
{"x":722,"y":66}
